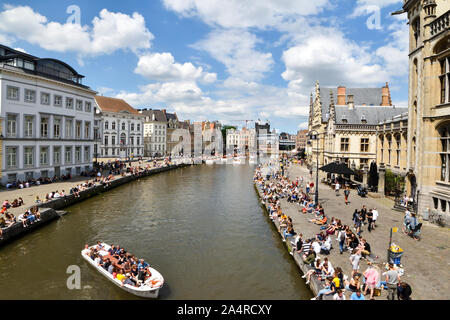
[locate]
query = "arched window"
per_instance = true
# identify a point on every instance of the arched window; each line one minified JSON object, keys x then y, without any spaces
{"x":444,"y":133}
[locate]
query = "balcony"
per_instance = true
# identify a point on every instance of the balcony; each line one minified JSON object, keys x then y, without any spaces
{"x":440,"y":24}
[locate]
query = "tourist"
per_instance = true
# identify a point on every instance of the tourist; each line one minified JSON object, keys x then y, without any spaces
{"x":357,"y":295}
{"x":370,"y":220}
{"x":325,"y":291}
{"x":341,"y":238}
{"x":315,"y":271}
{"x":354,"y":284}
{"x":404,"y":291}
{"x":372,"y":277}
{"x":374,"y":218}
{"x":336,"y":187}
{"x":346,"y":194}
{"x":354,"y":259}
{"x":392,"y":280}
{"x":339,"y":295}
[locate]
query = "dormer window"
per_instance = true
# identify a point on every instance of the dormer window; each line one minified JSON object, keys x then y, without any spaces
{"x":363,"y":119}
{"x":344,"y":119}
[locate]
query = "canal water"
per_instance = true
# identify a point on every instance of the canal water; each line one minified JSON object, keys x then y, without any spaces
{"x":202,"y":227}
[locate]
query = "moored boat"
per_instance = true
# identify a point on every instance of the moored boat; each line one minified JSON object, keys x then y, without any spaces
{"x":148,"y":289}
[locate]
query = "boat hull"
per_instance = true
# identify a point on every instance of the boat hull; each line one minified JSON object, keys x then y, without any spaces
{"x":143,"y":292}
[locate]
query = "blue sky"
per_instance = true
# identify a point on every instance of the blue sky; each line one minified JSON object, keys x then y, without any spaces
{"x":221,"y":60}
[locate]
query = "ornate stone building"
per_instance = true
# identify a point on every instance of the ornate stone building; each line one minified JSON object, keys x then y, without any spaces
{"x":347,"y":129}
{"x":428,"y":158}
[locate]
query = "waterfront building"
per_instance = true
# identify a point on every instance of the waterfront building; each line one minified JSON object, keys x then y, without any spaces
{"x":155,"y":132}
{"x":122,"y":129}
{"x":286,"y":142}
{"x":48,"y":118}
{"x":243,"y":141}
{"x":98,"y":132}
{"x":347,"y":129}
{"x":428,"y":157}
{"x":212,"y":143}
{"x":392,"y":146}
{"x":301,"y":139}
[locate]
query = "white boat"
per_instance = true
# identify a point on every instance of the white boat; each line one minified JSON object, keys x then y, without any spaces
{"x":150,"y":289}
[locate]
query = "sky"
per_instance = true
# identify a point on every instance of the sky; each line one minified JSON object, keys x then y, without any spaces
{"x":226,"y":60}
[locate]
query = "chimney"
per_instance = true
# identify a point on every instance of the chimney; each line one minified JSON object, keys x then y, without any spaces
{"x":350,"y":102}
{"x":163,"y":110}
{"x":386,"y":96}
{"x":341,"y":92}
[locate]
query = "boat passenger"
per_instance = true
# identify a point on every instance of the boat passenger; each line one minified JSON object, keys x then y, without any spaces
{"x":142,"y":264}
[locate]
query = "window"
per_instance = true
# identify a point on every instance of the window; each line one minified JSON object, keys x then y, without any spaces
{"x":77,"y":154}
{"x":56,"y":128}
{"x":363,"y":162}
{"x":123,"y":125}
{"x":11,"y":157}
{"x":132,"y":127}
{"x":79,"y":105}
{"x":113,"y":125}
{"x":78,"y":130}
{"x":69,"y":103}
{"x":28,"y":156}
{"x":132,"y":141}
{"x":389,"y":139}
{"x":444,"y":133}
{"x":138,"y":140}
{"x":107,"y":125}
{"x":44,"y":127}
{"x":69,"y":130}
{"x":13,"y":93}
{"x":344,"y":144}
{"x":87,"y":130}
{"x":87,"y":154}
{"x":87,"y":106}
{"x":444,"y":79}
{"x":68,"y":155}
{"x":364,"y":144}
{"x":122,"y":139}
{"x":57,"y":101}
{"x":43,"y":156}
{"x":11,"y":130}
{"x":29,"y":123}
{"x":106,"y":140}
{"x":138,"y":127}
{"x":30,"y":95}
{"x":113,"y":140}
{"x":56,"y":155}
{"x":398,"y":143}
{"x":45,"y":98}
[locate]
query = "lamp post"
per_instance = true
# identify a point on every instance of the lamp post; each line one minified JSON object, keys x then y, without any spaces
{"x":314,"y":135}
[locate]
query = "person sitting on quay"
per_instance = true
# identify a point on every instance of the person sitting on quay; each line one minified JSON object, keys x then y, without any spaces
{"x":320,"y":221}
{"x":357,"y":295}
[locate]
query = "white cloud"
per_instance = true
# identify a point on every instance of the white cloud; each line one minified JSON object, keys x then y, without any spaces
{"x":162,"y":67}
{"x":236,"y":49}
{"x":110,"y":31}
{"x":334,"y":60}
{"x":303,"y":126}
{"x":246,"y":14}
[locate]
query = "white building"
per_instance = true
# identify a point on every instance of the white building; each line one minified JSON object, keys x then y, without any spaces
{"x":243,"y":140}
{"x":155,"y":132}
{"x":122,"y":129}
{"x":47,"y":118}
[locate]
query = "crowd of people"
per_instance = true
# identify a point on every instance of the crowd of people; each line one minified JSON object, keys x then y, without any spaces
{"x":274,"y":186}
{"x":122,"y":265}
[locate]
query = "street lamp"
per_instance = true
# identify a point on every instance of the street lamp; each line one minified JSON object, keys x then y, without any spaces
{"x":314,"y":135}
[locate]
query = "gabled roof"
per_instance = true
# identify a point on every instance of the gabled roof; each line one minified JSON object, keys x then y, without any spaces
{"x":108,"y":104}
{"x":372,"y":114}
{"x":367,"y":96}
{"x":160,"y":116}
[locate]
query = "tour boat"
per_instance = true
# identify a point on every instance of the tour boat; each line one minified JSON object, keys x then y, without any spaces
{"x":151,"y":287}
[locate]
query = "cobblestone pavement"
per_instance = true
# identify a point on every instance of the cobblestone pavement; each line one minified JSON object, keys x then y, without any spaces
{"x":426,"y":262}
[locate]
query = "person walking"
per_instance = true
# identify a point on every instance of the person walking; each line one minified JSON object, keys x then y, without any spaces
{"x":392,"y":281}
{"x":369,"y":220}
{"x":336,"y":188}
{"x":346,"y":194}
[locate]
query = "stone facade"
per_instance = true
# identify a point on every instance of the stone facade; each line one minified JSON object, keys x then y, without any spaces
{"x":346,"y":130}
{"x":428,"y":157}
